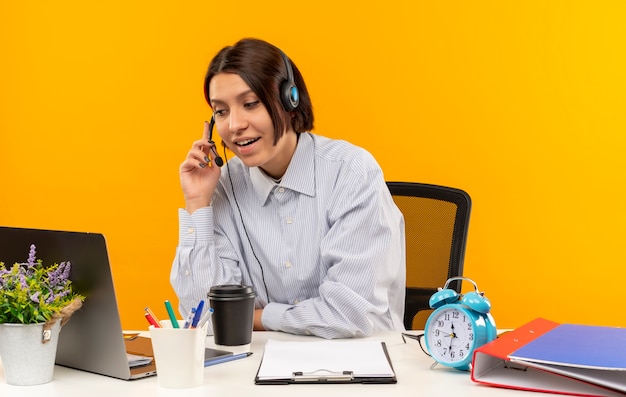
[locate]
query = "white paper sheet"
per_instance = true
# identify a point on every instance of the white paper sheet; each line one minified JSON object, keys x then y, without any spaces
{"x":362,"y":358}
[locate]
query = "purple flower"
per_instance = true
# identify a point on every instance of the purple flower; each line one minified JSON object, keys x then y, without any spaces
{"x":59,"y":275}
{"x":33,"y":291}
{"x":23,"y":282}
{"x":57,"y":297}
{"x":35,"y":297}
{"x":31,"y":256}
{"x":66,"y":270}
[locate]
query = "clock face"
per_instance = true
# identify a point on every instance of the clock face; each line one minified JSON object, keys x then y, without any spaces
{"x":450,"y":335}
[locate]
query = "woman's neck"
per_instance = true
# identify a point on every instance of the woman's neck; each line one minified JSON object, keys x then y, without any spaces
{"x":277,"y":168}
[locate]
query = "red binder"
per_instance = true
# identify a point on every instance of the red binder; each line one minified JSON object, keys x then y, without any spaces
{"x":549,"y":357}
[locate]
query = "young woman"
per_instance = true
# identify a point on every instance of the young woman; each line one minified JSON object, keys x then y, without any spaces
{"x":306,"y":220}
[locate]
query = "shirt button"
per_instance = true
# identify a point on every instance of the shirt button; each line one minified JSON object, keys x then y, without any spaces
{"x":288,"y":264}
{"x":281,"y":190}
{"x":295,"y":302}
{"x":289,"y":221}
{"x":191,"y":230}
{"x":186,"y":272}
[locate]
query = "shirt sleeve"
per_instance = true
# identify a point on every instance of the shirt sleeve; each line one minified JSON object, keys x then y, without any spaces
{"x":195,"y":268}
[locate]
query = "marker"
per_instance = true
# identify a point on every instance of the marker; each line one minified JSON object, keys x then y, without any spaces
{"x":196,"y":317}
{"x":153,"y":316}
{"x":170,"y":312}
{"x":152,"y":321}
{"x":205,"y":317}
{"x":225,"y":359}
{"x":190,"y":317}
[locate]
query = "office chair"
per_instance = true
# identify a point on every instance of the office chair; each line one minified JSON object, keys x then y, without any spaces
{"x":436,"y":224}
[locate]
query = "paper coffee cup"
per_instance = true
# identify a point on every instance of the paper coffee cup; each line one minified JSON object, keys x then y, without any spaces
{"x":233,"y":316}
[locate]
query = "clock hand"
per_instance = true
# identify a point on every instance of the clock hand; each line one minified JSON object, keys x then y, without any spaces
{"x":452,"y":336}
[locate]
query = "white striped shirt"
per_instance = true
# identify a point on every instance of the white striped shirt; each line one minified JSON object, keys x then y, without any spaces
{"x":329,"y":241}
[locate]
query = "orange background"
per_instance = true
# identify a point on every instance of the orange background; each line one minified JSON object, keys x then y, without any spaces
{"x":521,"y":104}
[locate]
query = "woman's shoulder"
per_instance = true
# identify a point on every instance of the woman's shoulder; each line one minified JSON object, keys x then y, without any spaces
{"x":339,"y":150}
{"x":332,"y":148}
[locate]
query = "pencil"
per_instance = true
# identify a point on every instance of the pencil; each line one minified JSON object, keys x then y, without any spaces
{"x":154,"y":317}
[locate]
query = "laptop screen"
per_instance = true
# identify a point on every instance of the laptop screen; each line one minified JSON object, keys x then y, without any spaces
{"x":92,"y":340}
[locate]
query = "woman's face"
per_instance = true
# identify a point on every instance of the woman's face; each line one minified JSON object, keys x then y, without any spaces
{"x":245,"y":126}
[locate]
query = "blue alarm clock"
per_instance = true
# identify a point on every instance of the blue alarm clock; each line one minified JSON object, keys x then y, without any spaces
{"x":459,"y":325}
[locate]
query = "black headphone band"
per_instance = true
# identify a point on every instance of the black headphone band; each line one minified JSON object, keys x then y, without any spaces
{"x":287,"y":67}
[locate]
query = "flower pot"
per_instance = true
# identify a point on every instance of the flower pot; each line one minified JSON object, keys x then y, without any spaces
{"x":28,"y":352}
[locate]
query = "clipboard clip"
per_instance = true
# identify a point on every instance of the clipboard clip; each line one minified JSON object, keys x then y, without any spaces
{"x":322,"y":375}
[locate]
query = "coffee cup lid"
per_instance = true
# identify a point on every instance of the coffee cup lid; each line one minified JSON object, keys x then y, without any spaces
{"x":231,"y":291}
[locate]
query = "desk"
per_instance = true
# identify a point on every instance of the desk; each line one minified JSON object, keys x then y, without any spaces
{"x":236,"y":379}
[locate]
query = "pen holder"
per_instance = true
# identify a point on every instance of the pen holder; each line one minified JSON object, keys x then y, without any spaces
{"x":179,"y":355}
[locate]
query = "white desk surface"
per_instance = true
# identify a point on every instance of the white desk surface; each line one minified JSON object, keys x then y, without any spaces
{"x":236,"y":378}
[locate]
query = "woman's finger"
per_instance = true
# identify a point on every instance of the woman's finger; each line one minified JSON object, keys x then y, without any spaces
{"x":205,"y":133}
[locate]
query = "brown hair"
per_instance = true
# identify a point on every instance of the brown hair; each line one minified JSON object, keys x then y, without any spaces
{"x":262,"y":66}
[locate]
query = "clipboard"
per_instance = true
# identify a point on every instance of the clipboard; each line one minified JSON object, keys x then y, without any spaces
{"x":325,"y":362}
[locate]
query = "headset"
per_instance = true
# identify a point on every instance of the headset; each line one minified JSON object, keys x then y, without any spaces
{"x":289,"y":95}
{"x":289,"y":98}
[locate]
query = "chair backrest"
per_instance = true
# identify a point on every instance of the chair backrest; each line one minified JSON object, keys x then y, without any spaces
{"x":436,"y":221}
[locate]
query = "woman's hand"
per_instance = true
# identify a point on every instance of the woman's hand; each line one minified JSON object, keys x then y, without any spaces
{"x":199,"y":174}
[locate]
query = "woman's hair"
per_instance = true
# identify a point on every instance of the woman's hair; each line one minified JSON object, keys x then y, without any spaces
{"x":262,"y":66}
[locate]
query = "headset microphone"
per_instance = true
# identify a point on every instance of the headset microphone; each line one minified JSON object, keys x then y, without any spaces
{"x":218,"y":160}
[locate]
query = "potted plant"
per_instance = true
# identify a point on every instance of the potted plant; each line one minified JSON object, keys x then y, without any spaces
{"x":36,"y":302}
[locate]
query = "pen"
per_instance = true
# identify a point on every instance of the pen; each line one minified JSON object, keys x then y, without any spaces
{"x":189,"y":317}
{"x":170,"y":312}
{"x":225,"y":359}
{"x":152,"y":321}
{"x":196,"y":317}
{"x":205,"y":317}
{"x":151,"y":313}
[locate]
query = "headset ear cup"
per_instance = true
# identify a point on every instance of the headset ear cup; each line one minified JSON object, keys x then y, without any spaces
{"x":289,"y":96}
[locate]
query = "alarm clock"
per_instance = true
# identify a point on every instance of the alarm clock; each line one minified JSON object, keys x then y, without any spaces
{"x":459,"y":325}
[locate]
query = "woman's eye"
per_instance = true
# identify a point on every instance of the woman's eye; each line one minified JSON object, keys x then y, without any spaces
{"x":251,"y":104}
{"x":220,"y":112}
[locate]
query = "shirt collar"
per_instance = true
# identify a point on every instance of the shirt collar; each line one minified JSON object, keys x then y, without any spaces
{"x":300,"y":174}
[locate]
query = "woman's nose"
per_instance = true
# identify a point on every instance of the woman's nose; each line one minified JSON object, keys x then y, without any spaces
{"x":237,"y":122}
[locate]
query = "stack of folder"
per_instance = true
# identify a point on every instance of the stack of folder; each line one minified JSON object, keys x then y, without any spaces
{"x":545,"y":356}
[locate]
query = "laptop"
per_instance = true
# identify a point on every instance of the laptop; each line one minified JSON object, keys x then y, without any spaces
{"x":92,"y":340}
